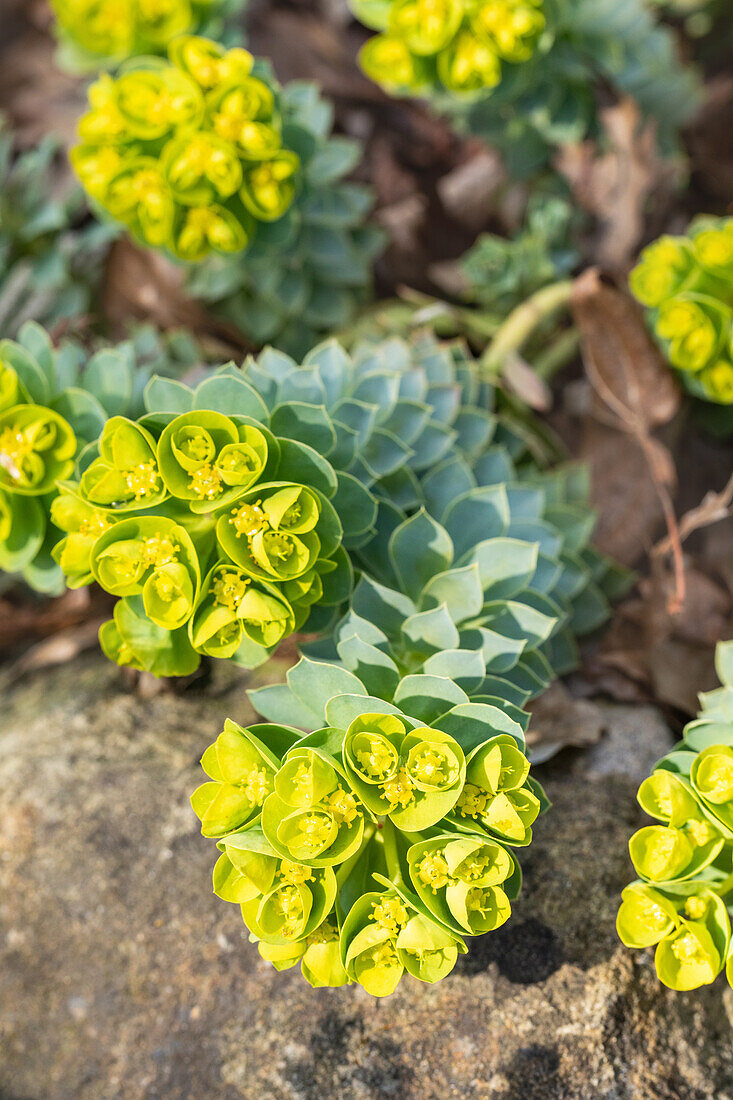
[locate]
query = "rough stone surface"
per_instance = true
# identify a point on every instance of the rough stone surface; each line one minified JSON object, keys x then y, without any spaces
{"x":123,"y":977}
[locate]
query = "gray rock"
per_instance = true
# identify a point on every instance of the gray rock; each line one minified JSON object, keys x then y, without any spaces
{"x":123,"y":977}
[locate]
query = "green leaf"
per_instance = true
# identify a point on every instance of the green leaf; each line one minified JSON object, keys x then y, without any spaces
{"x":505,"y":566}
{"x":520,"y":622}
{"x":36,"y":340}
{"x":386,"y":608}
{"x":459,"y":590}
{"x":83,"y":411}
{"x":427,"y":697}
{"x":430,"y":631}
{"x":465,"y":666}
{"x":472,"y":724}
{"x":108,"y":377}
{"x":278,"y":703}
{"x":343,"y":709}
{"x":724,"y":663}
{"x":590,"y":611}
{"x":333,"y":161}
{"x":306,"y":423}
{"x":167,"y":395}
{"x":315,"y":682}
{"x":299,"y":463}
{"x":480,"y":514}
{"x":230,"y":396}
{"x":444,"y":484}
{"x":419,"y":549}
{"x":576,"y":522}
{"x":28,"y":371}
{"x":376,"y":670}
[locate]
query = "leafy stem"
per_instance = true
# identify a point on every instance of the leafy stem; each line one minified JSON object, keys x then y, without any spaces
{"x":513,"y":334}
{"x":391,"y":855}
{"x":346,"y":868}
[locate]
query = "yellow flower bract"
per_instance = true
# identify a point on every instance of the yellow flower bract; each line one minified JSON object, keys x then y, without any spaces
{"x":461,"y":45}
{"x":686,"y":284}
{"x":187,"y":154}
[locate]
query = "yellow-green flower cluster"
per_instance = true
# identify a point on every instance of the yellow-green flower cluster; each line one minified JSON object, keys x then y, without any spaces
{"x":686,"y":283}
{"x":346,"y":850}
{"x":682,"y":898}
{"x":209,"y":551}
{"x":188,"y":154}
{"x":458,"y":45}
{"x":37,"y":446}
{"x":112,"y":30}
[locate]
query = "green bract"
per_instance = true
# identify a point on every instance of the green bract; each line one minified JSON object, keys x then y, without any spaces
{"x":411,"y":781}
{"x":312,"y":816}
{"x":488,"y":64}
{"x":37,"y":447}
{"x":126,"y":474}
{"x":459,"y":45}
{"x":686,"y":283}
{"x":412,"y":423}
{"x":53,"y":403}
{"x":194,"y":521}
{"x":682,"y":901}
{"x":230,"y":609}
{"x":241,"y":765}
{"x":372,"y":793}
{"x":97,"y":33}
{"x":384,"y":935}
{"x":307,"y":273}
{"x":189,"y":154}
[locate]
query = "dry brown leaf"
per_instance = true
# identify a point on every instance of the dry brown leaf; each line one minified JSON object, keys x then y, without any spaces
{"x":632,"y":380}
{"x":525,"y":383}
{"x":449,"y":277}
{"x":668,"y":653}
{"x":35,"y":95}
{"x":623,"y":494}
{"x":145,"y":285}
{"x":468,"y":191}
{"x":614,"y":186}
{"x":710,"y":138}
{"x":624,"y":365}
{"x":559,"y":721}
{"x":403,"y":220}
{"x":713,"y":508}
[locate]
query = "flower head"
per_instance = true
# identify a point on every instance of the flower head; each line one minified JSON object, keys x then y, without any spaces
{"x":187,"y":154}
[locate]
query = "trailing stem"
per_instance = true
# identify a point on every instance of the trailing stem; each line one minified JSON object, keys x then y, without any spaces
{"x":516,"y":330}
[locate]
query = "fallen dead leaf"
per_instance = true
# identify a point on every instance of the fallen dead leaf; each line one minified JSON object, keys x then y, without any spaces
{"x":713,"y":508}
{"x":710,"y":138}
{"x":615,"y":186}
{"x":144,"y":285}
{"x":626,"y":368}
{"x":559,"y":720}
{"x":468,"y":191}
{"x":668,"y":655}
{"x":525,"y":383}
{"x":622,"y":493}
